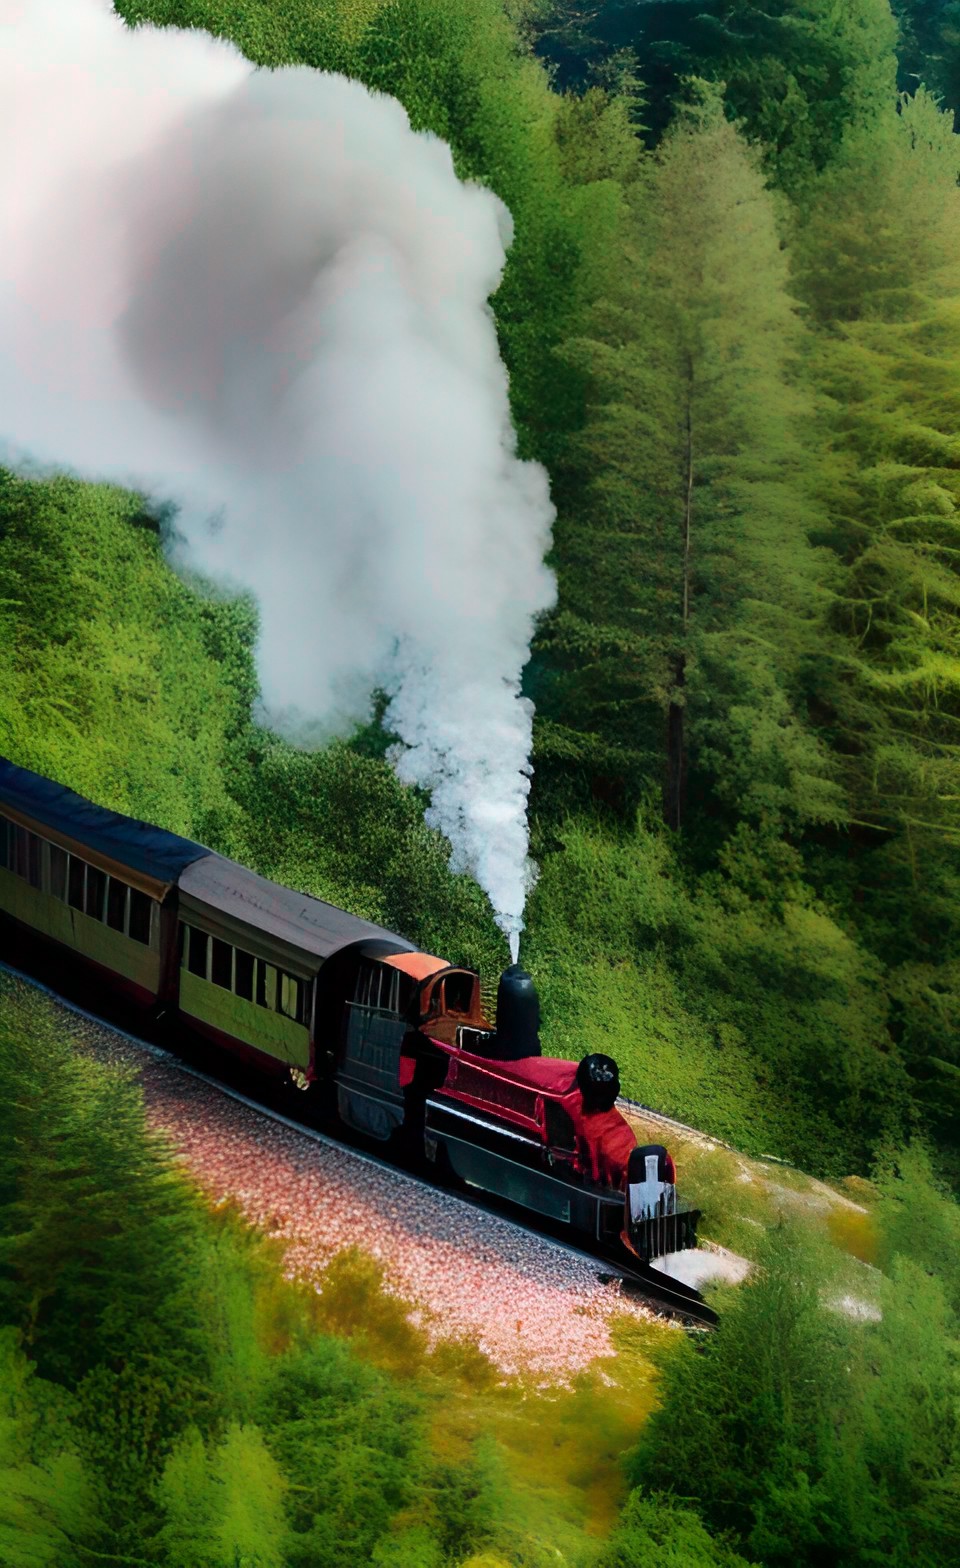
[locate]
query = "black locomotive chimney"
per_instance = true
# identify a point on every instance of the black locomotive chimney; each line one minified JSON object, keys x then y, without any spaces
{"x":518,"y":1016}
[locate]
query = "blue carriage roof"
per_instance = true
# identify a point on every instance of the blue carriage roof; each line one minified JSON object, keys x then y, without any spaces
{"x":150,"y":851}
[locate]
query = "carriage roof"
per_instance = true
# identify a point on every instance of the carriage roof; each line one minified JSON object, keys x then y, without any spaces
{"x":155,"y":856}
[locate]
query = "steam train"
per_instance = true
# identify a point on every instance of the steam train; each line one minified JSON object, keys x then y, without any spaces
{"x":392,"y":1042}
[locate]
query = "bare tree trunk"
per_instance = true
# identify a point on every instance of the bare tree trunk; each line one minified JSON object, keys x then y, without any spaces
{"x":675,"y":789}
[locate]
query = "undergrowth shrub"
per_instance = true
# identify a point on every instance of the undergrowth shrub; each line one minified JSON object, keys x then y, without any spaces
{"x":815,"y":1426}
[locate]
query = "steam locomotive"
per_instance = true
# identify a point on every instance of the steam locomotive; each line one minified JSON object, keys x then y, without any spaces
{"x":391,"y":1041}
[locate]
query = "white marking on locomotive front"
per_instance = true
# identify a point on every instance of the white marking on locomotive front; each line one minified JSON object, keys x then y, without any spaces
{"x":651,"y":1196}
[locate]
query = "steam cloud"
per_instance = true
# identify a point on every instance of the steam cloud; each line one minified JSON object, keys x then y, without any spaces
{"x":261,"y":295}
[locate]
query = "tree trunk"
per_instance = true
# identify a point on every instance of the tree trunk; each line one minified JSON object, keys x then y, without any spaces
{"x":675,"y":788}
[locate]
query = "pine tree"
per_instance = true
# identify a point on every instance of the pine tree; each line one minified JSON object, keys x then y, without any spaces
{"x":879,"y":269}
{"x":351,"y":1446}
{"x":929,"y":47}
{"x":224,"y":1507}
{"x":797,"y":73}
{"x":48,"y":1505}
{"x":99,"y":1260}
{"x":690,"y":595}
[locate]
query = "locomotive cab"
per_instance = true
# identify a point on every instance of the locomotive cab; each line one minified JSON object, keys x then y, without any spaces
{"x":399,"y":1013}
{"x":448,"y":1002}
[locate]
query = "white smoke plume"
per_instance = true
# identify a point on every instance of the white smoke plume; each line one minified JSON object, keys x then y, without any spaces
{"x":262,"y":296}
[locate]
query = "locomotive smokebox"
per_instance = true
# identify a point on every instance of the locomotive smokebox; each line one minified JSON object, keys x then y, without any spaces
{"x":598,"y":1079}
{"x":518,"y":1015}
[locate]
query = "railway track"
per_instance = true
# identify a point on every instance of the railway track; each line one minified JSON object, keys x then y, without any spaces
{"x":669,"y":1297}
{"x":637,"y":1108}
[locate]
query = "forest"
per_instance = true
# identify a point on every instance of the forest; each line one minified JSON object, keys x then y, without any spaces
{"x":731,"y":320}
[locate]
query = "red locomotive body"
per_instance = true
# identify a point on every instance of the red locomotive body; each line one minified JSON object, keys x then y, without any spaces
{"x":539,"y":1096}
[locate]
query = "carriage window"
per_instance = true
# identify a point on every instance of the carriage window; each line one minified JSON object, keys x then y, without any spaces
{"x":75,"y":882}
{"x":221,"y":966}
{"x":26,"y":850}
{"x":116,"y":904}
{"x":4,"y":843}
{"x":267,"y":985}
{"x":140,"y":906}
{"x":291,"y":1001}
{"x":197,"y":960}
{"x":243,"y":978}
{"x":96,"y":888}
{"x":58,"y":871}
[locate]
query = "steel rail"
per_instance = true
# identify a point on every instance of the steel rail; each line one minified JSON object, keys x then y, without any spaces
{"x":638,"y":1108}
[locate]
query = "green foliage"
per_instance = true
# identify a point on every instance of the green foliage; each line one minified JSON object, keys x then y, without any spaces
{"x":99,"y":1255}
{"x":244,"y":1322}
{"x":48,"y":1507}
{"x":260,"y":28}
{"x":916,"y":1220}
{"x":115,"y":676}
{"x":878,"y":269}
{"x":350,"y":1446}
{"x":87,"y":1196}
{"x":688,"y":588}
{"x":765,"y":1027}
{"x":798,"y":73}
{"x":656,"y":1532}
{"x":353,"y":1305}
{"x":808,"y":1434}
{"x":929,"y":48}
{"x":223,"y":1509}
